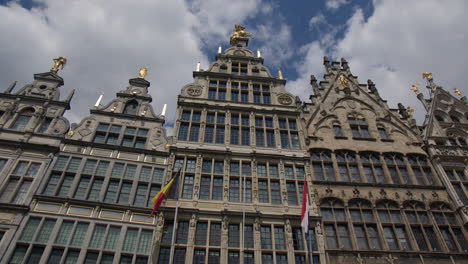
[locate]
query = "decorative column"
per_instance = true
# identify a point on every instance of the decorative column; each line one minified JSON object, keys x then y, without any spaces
{"x":191,"y":239}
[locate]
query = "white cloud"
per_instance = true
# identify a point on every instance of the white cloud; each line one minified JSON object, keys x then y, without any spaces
{"x":317,"y":20}
{"x":105,"y":44}
{"x":335,"y":4}
{"x":276,"y":42}
{"x":396,"y":44}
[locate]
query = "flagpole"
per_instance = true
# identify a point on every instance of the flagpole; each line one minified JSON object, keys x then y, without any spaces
{"x":243,"y":217}
{"x":310,"y":247}
{"x":171,"y":258}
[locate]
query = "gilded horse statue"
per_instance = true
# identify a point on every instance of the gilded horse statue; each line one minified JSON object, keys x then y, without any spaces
{"x":60,"y":61}
{"x":239,"y":32}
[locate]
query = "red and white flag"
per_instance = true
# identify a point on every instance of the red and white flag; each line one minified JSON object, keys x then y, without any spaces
{"x":305,"y":208}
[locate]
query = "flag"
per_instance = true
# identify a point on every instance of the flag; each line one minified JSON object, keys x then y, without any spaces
{"x":163,"y":193}
{"x":305,"y":208}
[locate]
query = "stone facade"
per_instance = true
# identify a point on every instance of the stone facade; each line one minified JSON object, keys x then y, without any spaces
{"x":382,"y":189}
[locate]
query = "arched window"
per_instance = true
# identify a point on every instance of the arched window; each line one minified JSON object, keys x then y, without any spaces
{"x":382,"y":132}
{"x":421,"y":226}
{"x":335,"y":223}
{"x":454,"y":119}
{"x":439,"y":118}
{"x":449,"y":227}
{"x":393,"y":227}
{"x":358,"y":126}
{"x":397,"y":168}
{"x":347,"y":166}
{"x":23,"y":119}
{"x":462,"y":141}
{"x":322,"y":165}
{"x":421,"y":169}
{"x":364,"y":224}
{"x":337,"y":130}
{"x":372,"y":166}
{"x":131,"y":107}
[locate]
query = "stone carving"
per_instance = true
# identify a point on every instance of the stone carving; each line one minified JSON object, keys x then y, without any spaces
{"x":193,"y":220}
{"x":194,"y":90}
{"x":285,"y":99}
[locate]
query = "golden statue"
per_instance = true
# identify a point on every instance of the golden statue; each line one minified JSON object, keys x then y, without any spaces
{"x":344,"y":82}
{"x":239,"y":32}
{"x":60,"y":61}
{"x":410,"y":111}
{"x":427,"y":76}
{"x":458,"y":92}
{"x":142,"y":73}
{"x":415,"y":88}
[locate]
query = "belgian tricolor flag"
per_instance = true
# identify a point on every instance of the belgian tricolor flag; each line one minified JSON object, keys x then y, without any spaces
{"x":164,"y":192}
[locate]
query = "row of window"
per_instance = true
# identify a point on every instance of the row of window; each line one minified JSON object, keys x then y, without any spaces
{"x":67,"y":237}
{"x":23,"y":118}
{"x":359,"y":129}
{"x":215,"y":130}
{"x":240,"y":182}
{"x":386,"y":226}
{"x":371,"y":167}
{"x":239,"y":92}
{"x":128,"y":183}
{"x":121,"y":135}
{"x":207,"y":242}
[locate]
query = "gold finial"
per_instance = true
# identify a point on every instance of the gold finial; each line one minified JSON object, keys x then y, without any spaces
{"x":344,"y":82}
{"x":280,"y":74}
{"x":142,"y":73}
{"x":60,"y":61}
{"x":410,"y":111}
{"x":427,"y":76}
{"x":239,"y":32}
{"x":458,"y":92}
{"x":415,"y":88}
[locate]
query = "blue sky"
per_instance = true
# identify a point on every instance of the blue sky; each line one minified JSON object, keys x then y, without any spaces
{"x":106,"y":42}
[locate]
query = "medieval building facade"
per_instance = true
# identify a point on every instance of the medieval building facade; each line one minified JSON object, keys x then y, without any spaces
{"x":382,"y":188}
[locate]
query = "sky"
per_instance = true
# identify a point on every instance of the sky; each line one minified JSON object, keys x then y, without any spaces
{"x":390,"y":42}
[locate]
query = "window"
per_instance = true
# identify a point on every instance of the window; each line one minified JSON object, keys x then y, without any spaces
{"x":240,"y":188}
{"x":364,"y":224}
{"x":397,"y":168}
{"x":421,"y":169}
{"x":214,"y":131}
{"x":233,"y":235}
{"x":288,"y":133}
{"x":347,"y":166}
{"x":20,"y":181}
{"x":240,"y":132}
{"x":188,"y":174}
{"x":264,"y":133}
{"x":217,"y":90}
{"x":449,"y":227}
{"x":382,"y":133}
{"x":261,"y":93}
{"x":421,"y":226}
{"x":373,"y":170}
{"x":337,"y":130}
{"x":45,"y":125}
{"x":335,"y":224}
{"x":23,"y":119}
{"x":134,"y":137}
{"x":3,"y":162}
{"x":215,"y":234}
{"x":131,"y":107}
{"x":239,"y":68}
{"x":107,"y":134}
{"x":190,"y":126}
{"x":322,"y":165}
{"x":459,"y":182}
{"x":358,"y":126}
{"x":211,"y":186}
